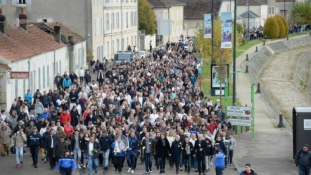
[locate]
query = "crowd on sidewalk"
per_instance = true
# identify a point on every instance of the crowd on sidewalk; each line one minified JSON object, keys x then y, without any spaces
{"x":150,"y":110}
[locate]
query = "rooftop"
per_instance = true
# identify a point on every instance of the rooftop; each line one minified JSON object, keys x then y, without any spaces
{"x":164,"y":3}
{"x":18,"y":44}
{"x":197,"y":8}
{"x":251,"y":15}
{"x":251,"y":2}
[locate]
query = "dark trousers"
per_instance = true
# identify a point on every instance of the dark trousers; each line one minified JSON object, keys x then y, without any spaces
{"x":156,"y":161}
{"x":34,"y":153}
{"x":52,"y":159}
{"x":231,"y":156}
{"x":187,"y":162}
{"x":201,"y":164}
{"x":100,"y":82}
{"x":162,"y":163}
{"x":218,"y":171}
{"x":81,"y":79}
{"x":118,"y":162}
{"x":131,"y":161}
{"x":148,"y":161}
{"x":65,"y":171}
{"x":176,"y":161}
{"x":100,"y":158}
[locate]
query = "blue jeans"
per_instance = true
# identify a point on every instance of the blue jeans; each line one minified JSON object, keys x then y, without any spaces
{"x":187,"y":161}
{"x":84,"y":159}
{"x":77,"y":155}
{"x":92,"y":164}
{"x":304,"y":170}
{"x":181,"y":160}
{"x":162,"y":163}
{"x":106,"y":157}
{"x":19,"y":154}
{"x":230,"y":156}
{"x":131,"y":161}
{"x":148,"y":162}
{"x":194,"y":162}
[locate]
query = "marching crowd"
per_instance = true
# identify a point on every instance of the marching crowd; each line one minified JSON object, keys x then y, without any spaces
{"x":149,"y":111}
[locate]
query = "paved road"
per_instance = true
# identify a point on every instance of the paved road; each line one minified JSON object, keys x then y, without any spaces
{"x":7,"y":167}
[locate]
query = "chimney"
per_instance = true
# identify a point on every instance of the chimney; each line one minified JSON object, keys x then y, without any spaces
{"x":23,"y":19}
{"x":57,"y":34}
{"x":70,"y":40}
{"x":2,"y":22}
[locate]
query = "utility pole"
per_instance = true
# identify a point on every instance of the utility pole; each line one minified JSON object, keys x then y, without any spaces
{"x":234,"y":55}
{"x":212,"y":16}
{"x":247,"y":22}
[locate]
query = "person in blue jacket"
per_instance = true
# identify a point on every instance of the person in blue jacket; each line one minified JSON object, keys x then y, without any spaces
{"x":176,"y":152}
{"x":219,"y":159}
{"x":66,"y":82}
{"x":118,"y":154}
{"x":66,"y":165}
{"x":131,"y":153}
{"x":28,"y":96}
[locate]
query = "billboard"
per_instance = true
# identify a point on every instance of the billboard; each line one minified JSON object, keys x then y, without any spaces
{"x":226,"y":30}
{"x":19,"y":75}
{"x":215,"y":82}
{"x":239,"y":111}
{"x":207,"y":26}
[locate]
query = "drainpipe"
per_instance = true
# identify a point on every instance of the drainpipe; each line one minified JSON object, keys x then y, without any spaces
{"x":29,"y":73}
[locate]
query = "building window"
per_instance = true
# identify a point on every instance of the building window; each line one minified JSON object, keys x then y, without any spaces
{"x":132,"y":23}
{"x":108,"y":47}
{"x":60,"y":67}
{"x":135,"y":41}
{"x":43,"y":70}
{"x":117,"y":20}
{"x":94,"y":27}
{"x":135,"y":18}
{"x":16,"y":88}
{"x":24,"y":87}
{"x":39,"y":78}
{"x":2,"y":2}
{"x":112,"y":46}
{"x":31,"y":82}
{"x":122,"y":44}
{"x":107,"y":21}
{"x":48,"y":77}
{"x":101,"y":26}
{"x":127,"y":19}
{"x":127,"y":41}
{"x":56,"y":66}
{"x":271,"y":10}
{"x":21,"y":1}
{"x":132,"y":41}
{"x":112,"y":20}
{"x":118,"y":44}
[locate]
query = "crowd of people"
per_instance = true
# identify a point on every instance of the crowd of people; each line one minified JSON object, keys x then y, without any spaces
{"x":149,"y":111}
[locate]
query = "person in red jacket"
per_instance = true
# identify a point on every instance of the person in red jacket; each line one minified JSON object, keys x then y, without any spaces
{"x":65,"y":118}
{"x":212,"y":126}
{"x":68,"y":130}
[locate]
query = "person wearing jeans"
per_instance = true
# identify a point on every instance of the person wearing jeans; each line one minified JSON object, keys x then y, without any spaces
{"x":148,"y":148}
{"x":19,"y":139}
{"x":131,"y":153}
{"x":208,"y":153}
{"x":163,"y":151}
{"x":105,"y":142}
{"x":232,"y":144}
{"x":187,"y":151}
{"x":76,"y":144}
{"x":93,"y":149}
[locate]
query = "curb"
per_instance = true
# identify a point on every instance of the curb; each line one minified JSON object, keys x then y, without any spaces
{"x":237,"y":168}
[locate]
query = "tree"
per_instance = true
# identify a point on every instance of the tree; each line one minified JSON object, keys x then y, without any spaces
{"x":285,"y":25}
{"x":281,"y":26}
{"x":147,"y":18}
{"x":301,"y":13}
{"x":222,"y":57}
{"x":271,"y":28}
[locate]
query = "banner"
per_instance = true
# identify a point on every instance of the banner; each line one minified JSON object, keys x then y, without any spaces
{"x":207,"y":26}
{"x":226,"y":30}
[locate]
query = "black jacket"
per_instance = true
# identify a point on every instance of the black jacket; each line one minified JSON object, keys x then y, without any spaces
{"x":105,"y":142}
{"x":34,"y":140}
{"x":200,"y":145}
{"x":73,"y":142}
{"x":60,"y":148}
{"x":303,"y":158}
{"x":163,"y":149}
{"x":48,"y":141}
{"x":184,"y":149}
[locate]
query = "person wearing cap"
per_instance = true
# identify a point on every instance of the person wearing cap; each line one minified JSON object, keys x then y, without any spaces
{"x":105,"y":141}
{"x":66,"y":165}
{"x":34,"y":142}
{"x":303,"y":160}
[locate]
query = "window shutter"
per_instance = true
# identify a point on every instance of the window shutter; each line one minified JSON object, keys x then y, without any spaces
{"x":39,"y":78}
{"x":3,"y":2}
{"x":43,"y":70}
{"x":14,"y":2}
{"x":24,"y":87}
{"x":28,"y":2}
{"x":16,"y":88}
{"x":48,"y":73}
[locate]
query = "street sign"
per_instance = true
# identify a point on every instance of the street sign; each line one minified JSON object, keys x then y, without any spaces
{"x":19,"y":75}
{"x":241,"y":122}
{"x":239,"y":111}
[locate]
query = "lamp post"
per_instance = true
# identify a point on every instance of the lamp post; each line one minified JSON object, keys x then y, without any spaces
{"x":234,"y":55}
{"x":212,"y":16}
{"x":248,"y":20}
{"x":285,"y":18}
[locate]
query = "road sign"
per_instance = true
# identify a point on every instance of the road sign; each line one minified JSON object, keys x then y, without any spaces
{"x":241,"y":122}
{"x":239,"y":111}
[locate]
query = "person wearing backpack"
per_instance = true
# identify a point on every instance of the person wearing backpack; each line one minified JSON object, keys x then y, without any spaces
{"x":219,"y":159}
{"x":303,"y":160}
{"x":248,"y":170}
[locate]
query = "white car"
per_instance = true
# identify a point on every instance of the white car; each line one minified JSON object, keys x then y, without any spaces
{"x":142,"y":53}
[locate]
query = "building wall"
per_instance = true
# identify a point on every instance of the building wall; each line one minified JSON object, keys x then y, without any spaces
{"x":79,"y":56}
{"x":227,"y":6}
{"x":148,"y":38}
{"x":42,"y":68}
{"x":176,"y":14}
{"x":191,"y":25}
{"x":261,"y":11}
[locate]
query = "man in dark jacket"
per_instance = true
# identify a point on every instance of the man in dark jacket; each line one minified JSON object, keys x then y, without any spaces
{"x":87,"y":77}
{"x":303,"y":160}
{"x":59,"y":148}
{"x":105,"y":143}
{"x":76,"y":145}
{"x":45,"y":99}
{"x":176,"y":152}
{"x":187,"y":152}
{"x":200,"y":149}
{"x":34,"y":142}
{"x":163,"y":151}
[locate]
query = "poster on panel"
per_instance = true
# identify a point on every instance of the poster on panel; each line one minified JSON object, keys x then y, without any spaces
{"x":226,"y":30}
{"x":207,"y":26}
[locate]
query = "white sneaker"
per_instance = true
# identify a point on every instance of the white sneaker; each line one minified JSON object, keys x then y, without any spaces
{"x":79,"y":166}
{"x":211,"y":163}
{"x":132,"y":171}
{"x":129,"y":170}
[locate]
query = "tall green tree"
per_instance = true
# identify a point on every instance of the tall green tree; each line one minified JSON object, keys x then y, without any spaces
{"x":301,"y":13}
{"x":147,"y":18}
{"x":271,"y":28}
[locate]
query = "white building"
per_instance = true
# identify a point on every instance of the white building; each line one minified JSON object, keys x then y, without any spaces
{"x":256,"y":10}
{"x":91,"y":19}
{"x":36,"y":53}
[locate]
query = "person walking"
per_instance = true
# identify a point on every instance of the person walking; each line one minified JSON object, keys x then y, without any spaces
{"x":19,"y":139}
{"x":187,"y":151}
{"x":176,"y":152}
{"x":249,"y":171}
{"x":66,"y":165}
{"x":148,"y":148}
{"x":39,"y":108}
{"x":163,"y":151}
{"x":81,"y":74}
{"x":232,"y":144}
{"x":5,"y":133}
{"x":131,"y":153}
{"x":76,"y":145}
{"x":50,"y":142}
{"x":93,"y":149}
{"x":150,"y":46}
{"x":59,"y":148}
{"x":118,"y":154}
{"x":219,"y":159}
{"x":105,"y":141}
{"x":303,"y":160}
{"x":34,"y":142}
{"x":199,"y":150}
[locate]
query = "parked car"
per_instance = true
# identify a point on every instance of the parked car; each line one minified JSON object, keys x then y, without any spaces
{"x":123,"y":57}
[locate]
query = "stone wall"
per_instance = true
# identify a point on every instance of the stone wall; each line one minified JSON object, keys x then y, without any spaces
{"x":302,"y":73}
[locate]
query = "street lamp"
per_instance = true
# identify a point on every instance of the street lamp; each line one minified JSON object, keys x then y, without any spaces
{"x":212,"y":16}
{"x":285,"y":18}
{"x":248,"y":21}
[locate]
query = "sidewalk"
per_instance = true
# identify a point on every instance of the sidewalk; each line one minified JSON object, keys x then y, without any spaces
{"x":270,"y":152}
